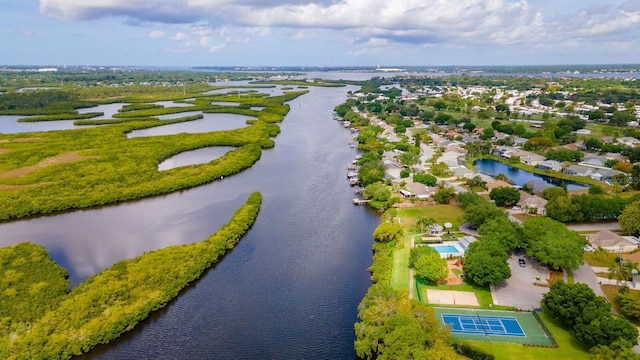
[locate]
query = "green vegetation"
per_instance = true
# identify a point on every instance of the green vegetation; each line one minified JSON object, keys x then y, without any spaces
{"x":108,"y":167}
{"x":113,"y":301}
{"x":630,"y":219}
{"x":590,"y":316}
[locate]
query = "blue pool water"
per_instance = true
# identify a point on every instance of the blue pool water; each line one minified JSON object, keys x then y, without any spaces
{"x":445,"y":249}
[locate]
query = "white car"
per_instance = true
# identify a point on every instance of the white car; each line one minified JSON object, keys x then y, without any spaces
{"x":588,"y":248}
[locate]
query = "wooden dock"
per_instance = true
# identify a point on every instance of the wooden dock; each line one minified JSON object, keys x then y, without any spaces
{"x":357,"y":201}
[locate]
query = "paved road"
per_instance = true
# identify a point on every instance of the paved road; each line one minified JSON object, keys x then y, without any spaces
{"x":586,"y":275}
{"x":595,"y":226}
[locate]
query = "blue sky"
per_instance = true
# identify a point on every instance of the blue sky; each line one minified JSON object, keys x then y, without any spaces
{"x":319,"y":32}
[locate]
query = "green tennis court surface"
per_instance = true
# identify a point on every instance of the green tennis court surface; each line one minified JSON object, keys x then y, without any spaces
{"x":491,"y":325}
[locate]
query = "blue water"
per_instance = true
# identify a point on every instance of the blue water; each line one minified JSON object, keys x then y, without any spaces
{"x":521,"y":177}
{"x":445,"y":249}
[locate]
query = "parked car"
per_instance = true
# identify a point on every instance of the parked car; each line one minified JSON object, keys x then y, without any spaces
{"x":588,"y":248}
{"x":522,"y":263}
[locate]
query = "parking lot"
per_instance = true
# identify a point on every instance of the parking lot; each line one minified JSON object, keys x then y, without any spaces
{"x":519,"y":290}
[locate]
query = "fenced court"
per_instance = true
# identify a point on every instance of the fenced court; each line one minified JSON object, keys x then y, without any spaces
{"x":492,"y":325}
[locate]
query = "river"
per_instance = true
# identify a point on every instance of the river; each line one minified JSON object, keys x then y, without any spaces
{"x":291,"y":287}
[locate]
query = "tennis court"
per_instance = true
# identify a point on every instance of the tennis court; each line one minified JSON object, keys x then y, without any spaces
{"x":481,"y":324}
{"x":493,"y":325}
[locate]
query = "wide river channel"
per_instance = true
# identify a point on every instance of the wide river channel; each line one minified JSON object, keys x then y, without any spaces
{"x":291,"y":287}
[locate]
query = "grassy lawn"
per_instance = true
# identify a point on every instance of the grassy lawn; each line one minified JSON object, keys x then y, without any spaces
{"x":610,"y":292}
{"x":601,"y":260}
{"x":400,"y":271}
{"x":441,"y":213}
{"x":568,"y":347}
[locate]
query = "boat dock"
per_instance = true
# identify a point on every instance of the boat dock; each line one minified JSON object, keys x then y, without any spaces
{"x":357,"y":201}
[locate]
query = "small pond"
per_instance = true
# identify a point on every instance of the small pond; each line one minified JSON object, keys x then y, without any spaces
{"x":199,"y":156}
{"x":107,"y":109}
{"x":521,"y":177}
{"x":210,"y":122}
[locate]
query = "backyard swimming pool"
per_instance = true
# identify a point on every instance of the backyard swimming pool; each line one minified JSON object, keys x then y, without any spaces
{"x":445,"y":249}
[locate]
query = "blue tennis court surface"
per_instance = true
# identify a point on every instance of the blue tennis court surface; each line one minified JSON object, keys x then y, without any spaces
{"x":483,"y":325}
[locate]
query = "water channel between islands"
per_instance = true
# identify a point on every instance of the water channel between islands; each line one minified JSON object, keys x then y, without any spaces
{"x":291,"y":287}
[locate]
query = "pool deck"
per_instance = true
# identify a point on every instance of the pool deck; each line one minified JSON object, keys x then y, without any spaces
{"x":456,"y":244}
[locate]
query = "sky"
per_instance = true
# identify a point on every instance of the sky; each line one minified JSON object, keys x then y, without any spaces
{"x":386,"y":33}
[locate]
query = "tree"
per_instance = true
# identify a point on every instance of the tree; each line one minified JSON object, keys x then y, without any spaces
{"x":617,"y":350}
{"x":552,"y":243}
{"x":430,"y":266}
{"x":478,"y":214}
{"x":388,"y":232}
{"x":505,"y":196}
{"x":567,"y":302}
{"x":468,"y":198}
{"x":443,"y":196}
{"x":502,"y":231}
{"x":628,"y":302}
{"x":629,"y":219}
{"x":553,"y":192}
{"x":605,"y":330}
{"x":394,"y":327}
{"x":485,"y":263}
{"x":477,"y":182}
{"x":622,"y":271}
{"x":423,"y":222}
{"x":562,"y":208}
{"x":371,"y":172}
{"x":426,"y":179}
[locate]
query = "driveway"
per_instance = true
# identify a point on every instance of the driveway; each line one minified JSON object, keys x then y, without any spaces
{"x":519,"y":291}
{"x":586,"y":275}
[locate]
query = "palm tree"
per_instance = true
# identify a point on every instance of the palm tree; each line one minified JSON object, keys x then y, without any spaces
{"x":424,"y":222}
{"x":600,"y":253}
{"x":622,"y":271}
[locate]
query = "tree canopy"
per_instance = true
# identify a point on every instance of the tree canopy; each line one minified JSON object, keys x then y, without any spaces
{"x":629,"y":219}
{"x":552,"y":243}
{"x":505,"y":196}
{"x":485,"y":263}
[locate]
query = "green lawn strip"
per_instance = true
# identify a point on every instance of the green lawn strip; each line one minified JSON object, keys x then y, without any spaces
{"x":568,"y":346}
{"x":400,"y":270}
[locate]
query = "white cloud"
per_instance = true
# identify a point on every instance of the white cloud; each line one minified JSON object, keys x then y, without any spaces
{"x":156,"y":34}
{"x":373,"y":22}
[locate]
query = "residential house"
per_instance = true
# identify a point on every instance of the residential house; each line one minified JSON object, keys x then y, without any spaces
{"x":594,"y":161}
{"x":550,"y":165}
{"x":579,"y":170}
{"x":519,"y":141}
{"x":629,"y":141}
{"x":605,"y":175}
{"x":531,"y":159}
{"x":532,"y":204}
{"x":497,"y":184}
{"x":420,"y":191}
{"x":611,"y":241}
